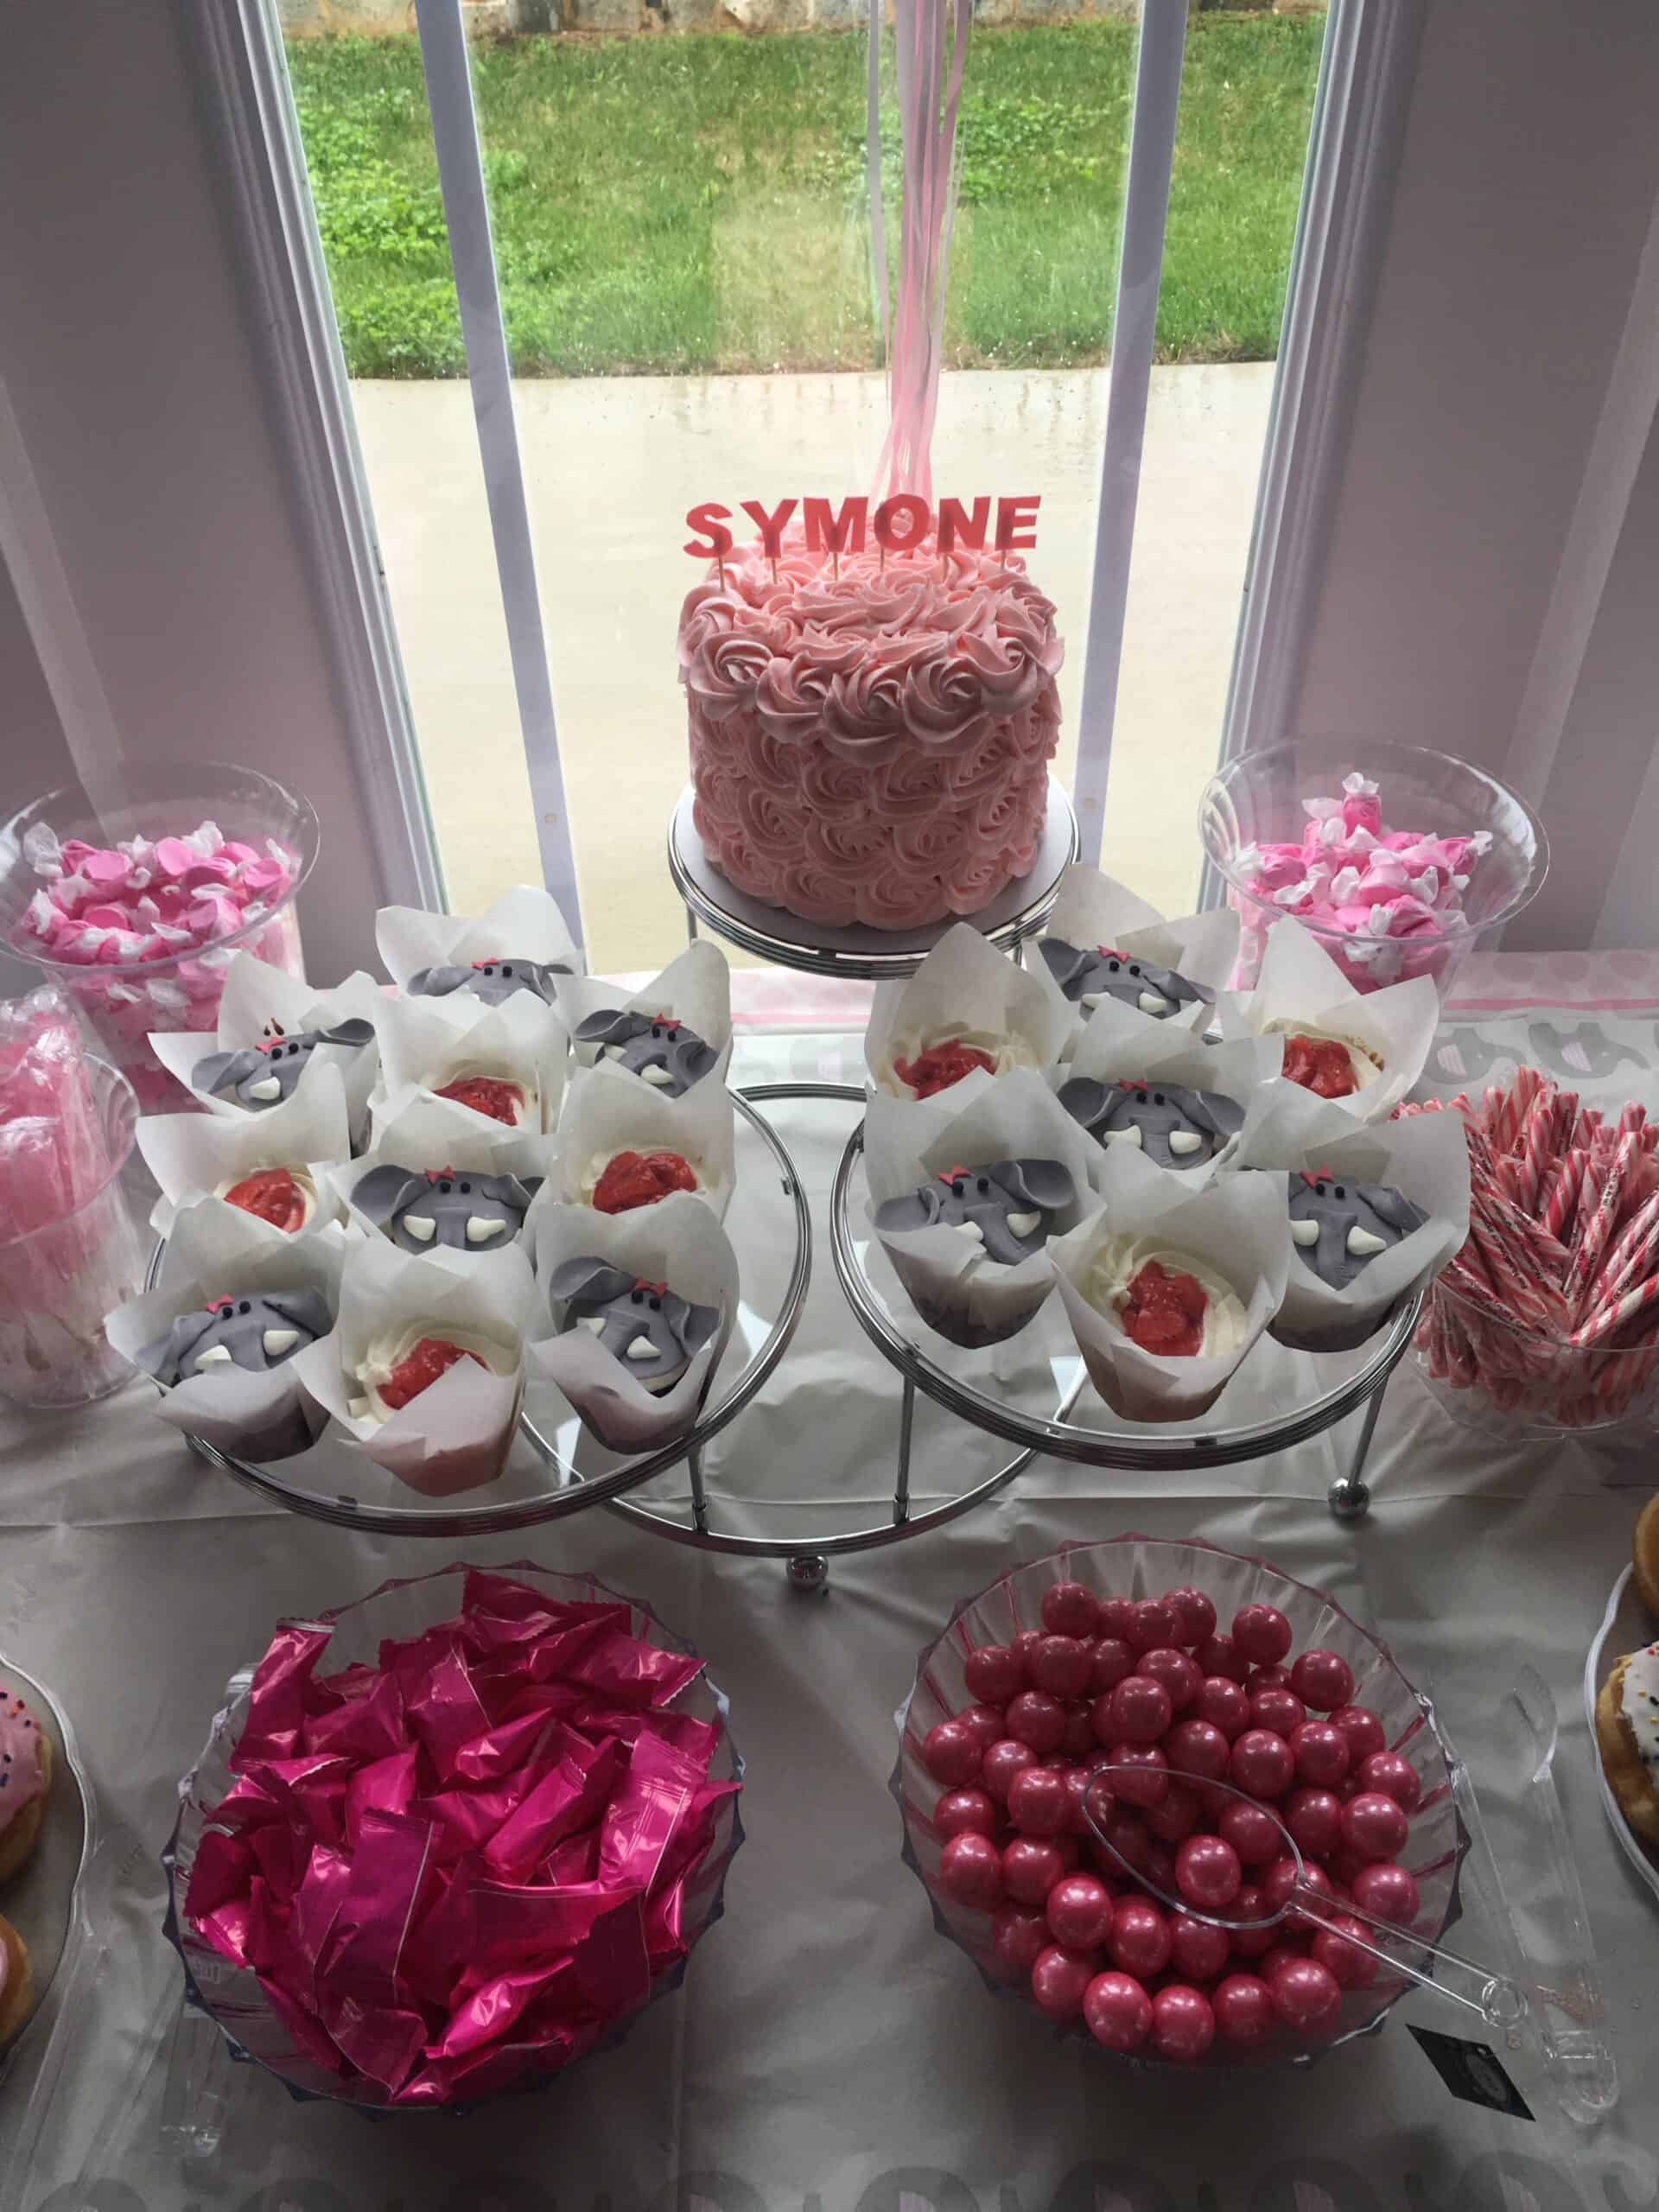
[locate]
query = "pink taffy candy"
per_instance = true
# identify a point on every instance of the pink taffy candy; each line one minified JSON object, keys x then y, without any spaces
{"x":106,"y":869}
{"x":265,"y":875}
{"x":173,"y":857}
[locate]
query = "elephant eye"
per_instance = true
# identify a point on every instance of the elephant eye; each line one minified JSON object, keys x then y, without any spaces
{"x":637,"y":1298}
{"x":445,"y":1186}
{"x":1157,"y":1098}
{"x":506,"y":967}
{"x":656,"y":1305}
{"x":1135,"y":968}
{"x":245,"y":1307}
{"x":466,"y":1190}
{"x":1319,"y":1190}
{"x":1113,"y":965}
{"x":1341,"y":1193}
{"x":982,"y":1184}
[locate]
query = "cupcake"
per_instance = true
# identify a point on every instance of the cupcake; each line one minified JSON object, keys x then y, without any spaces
{"x":496,"y":1069}
{"x":273,"y":1033}
{"x":653,"y":1334}
{"x":401,"y":1363}
{"x":1173,"y":1126}
{"x":674,"y":1035}
{"x":286,"y":1197}
{"x":1627,"y":1738}
{"x":492,"y":980}
{"x":1157,"y":1089}
{"x":623,"y":1144}
{"x":1338,"y":1227}
{"x":255,"y":1331}
{"x":967,"y":1016}
{"x":660,"y":1048}
{"x":1086,"y":975}
{"x":1362,"y":1049}
{"x":1330,"y":1066}
{"x":1104,"y":947}
{"x":272,"y":1168}
{"x":487,"y":1091}
{"x":17,"y":1982}
{"x":261,"y":1076}
{"x":25,"y":1782}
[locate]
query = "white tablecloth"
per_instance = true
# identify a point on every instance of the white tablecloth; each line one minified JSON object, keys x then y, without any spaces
{"x":829,"y":2052}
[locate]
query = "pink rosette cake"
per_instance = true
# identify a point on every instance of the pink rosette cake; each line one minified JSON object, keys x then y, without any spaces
{"x":870,"y":743}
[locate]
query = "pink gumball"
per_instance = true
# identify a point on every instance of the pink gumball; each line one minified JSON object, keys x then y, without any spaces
{"x":1198,"y":1949}
{"x":970,"y":1871}
{"x":1342,"y":1959}
{"x":1139,"y":1942}
{"x":1141,"y":1710}
{"x":1117,"y":2011}
{"x":1252,"y":1942}
{"x":984,"y":1723}
{"x":1158,"y":1873}
{"x":1152,"y":1624}
{"x":1177,"y":1812}
{"x":1314,"y":1819}
{"x":1207,"y":1872}
{"x":1244,"y":2010}
{"x":1362,"y":1729}
{"x":1254,"y":1834}
{"x":999,"y":1764}
{"x":1116,"y":1615}
{"x":1146,"y":1782}
{"x":1220,"y":1654}
{"x":1261,"y":1763}
{"x":1304,"y":1995}
{"x":1059,"y":1979}
{"x":1037,"y":1719}
{"x":1267,"y":1678}
{"x":1183,"y":2023}
{"x":1393,"y":1775}
{"x":1322,"y":1754}
{"x":1126,"y":1832}
{"x":1018,"y":1937}
{"x":1179,"y":1675}
{"x":1223,"y":1704}
{"x":1078,"y":1780}
{"x":1323,"y":1679}
{"x":965,"y":1812}
{"x":1194,"y":1614}
{"x":1288,"y":1951}
{"x":1038,"y":1803}
{"x":1198,"y":1749}
{"x":1109,"y":1663}
{"x":1079,"y":1910}
{"x":1374,"y":1828}
{"x":1060,"y":1664}
{"x":1278,"y":1880}
{"x":993,"y":1674}
{"x":1030,"y":1869}
{"x":950,"y":1752}
{"x":1282,"y":1711}
{"x":1262,"y":1633}
{"x":1315,"y":1882}
{"x":1079,"y":1739}
{"x":1070,"y":1609}
{"x":1389,"y":1892}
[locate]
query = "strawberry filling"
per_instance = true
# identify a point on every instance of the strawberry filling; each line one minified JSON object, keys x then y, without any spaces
{"x":941,"y":1065}
{"x":273,"y":1195}
{"x":1165,"y":1313}
{"x":486,"y":1094}
{"x":1321,"y":1065}
{"x":640,"y":1178}
{"x":418,"y":1370}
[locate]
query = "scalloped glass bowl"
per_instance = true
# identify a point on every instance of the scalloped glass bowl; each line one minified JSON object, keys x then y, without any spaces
{"x":1144,"y":1566}
{"x":231,"y":1995}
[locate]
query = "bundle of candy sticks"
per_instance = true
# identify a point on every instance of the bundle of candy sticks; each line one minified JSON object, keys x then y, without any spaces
{"x":1553,"y":1305}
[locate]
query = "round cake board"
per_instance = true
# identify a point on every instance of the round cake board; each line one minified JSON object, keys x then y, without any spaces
{"x":875,"y":955}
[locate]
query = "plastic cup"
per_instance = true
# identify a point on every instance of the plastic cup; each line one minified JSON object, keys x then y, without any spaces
{"x":61,"y":1278}
{"x":124,"y":1003}
{"x":1257,"y":799}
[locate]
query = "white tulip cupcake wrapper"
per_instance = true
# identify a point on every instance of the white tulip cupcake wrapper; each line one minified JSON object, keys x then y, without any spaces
{"x":1235,"y":1229}
{"x":968,"y":1299}
{"x":608,"y":1110}
{"x":1092,"y":909}
{"x":1121,"y":1045}
{"x":215,"y":1253}
{"x":427,"y":1042}
{"x":966,"y":991}
{"x":456,"y":1434}
{"x":194,"y":1156}
{"x":677,"y":1242}
{"x":256,"y":995}
{"x":1289,"y":1130}
{"x":1300,"y":990}
{"x":695,"y":989}
{"x":427,"y":1137}
{"x":524,"y":924}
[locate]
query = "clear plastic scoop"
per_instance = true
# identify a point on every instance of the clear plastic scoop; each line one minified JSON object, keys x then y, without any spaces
{"x":1496,"y":1998}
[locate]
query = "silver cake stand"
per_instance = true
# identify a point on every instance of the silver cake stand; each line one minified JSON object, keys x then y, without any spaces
{"x":865,"y":955}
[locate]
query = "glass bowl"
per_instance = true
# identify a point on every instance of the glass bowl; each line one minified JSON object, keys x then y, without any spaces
{"x":1494,"y":1376}
{"x":233,"y":1997}
{"x":1143,"y":1567}
{"x":124,"y":1003}
{"x":1256,"y":798}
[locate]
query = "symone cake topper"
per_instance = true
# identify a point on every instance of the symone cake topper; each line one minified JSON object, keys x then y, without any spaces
{"x":899,"y":524}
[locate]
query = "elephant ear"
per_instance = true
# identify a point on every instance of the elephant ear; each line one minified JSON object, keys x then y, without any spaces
{"x":167,"y":1355}
{"x":1085,"y":1100}
{"x":355,"y":1032}
{"x":614,"y":1025}
{"x":384,"y":1190}
{"x":1215,"y":1112}
{"x":223,"y":1070}
{"x":1394,"y":1207}
{"x":1045,"y":1183}
{"x":505,"y":1190}
{"x":307,"y":1309}
{"x":588,"y":1282}
{"x":436,"y":983}
{"x":1202,"y":992}
{"x":692,"y":1060}
{"x":1067,"y":964}
{"x":916,"y":1210}
{"x":692,"y":1325}
{"x":547,"y":969}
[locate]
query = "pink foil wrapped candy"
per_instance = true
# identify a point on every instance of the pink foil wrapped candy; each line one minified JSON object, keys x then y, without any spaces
{"x":454,"y":1871}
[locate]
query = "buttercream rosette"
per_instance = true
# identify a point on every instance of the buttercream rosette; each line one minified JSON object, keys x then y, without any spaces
{"x":964,"y":994}
{"x":1233,"y":1236}
{"x":870,"y":736}
{"x":525,"y":924}
{"x":1095,"y":914}
{"x":675,"y":1247}
{"x":694,"y":990}
{"x":1302,"y":992}
{"x":213,"y":1255}
{"x":607,"y":1112}
{"x":198,"y":1159}
{"x":955,"y":1289}
{"x":430,"y":1044}
{"x":425,"y":1140}
{"x":455,"y":1434}
{"x":1289,"y":1133}
{"x":261,"y":1009}
{"x":1119,"y":1046}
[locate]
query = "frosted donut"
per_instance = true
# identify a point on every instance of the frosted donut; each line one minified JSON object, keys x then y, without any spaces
{"x":1627,"y":1736}
{"x":25,"y":1778}
{"x":17,"y":1982}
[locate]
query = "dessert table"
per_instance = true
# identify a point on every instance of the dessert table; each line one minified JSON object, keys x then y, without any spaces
{"x":828,"y":2051}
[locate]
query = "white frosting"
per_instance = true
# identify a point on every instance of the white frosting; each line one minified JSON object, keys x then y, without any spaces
{"x":1118,"y":1260}
{"x":1638,"y":1701}
{"x":1005,"y":1052}
{"x":384,"y":1352}
{"x":304,"y":1182}
{"x":1367,"y":1070}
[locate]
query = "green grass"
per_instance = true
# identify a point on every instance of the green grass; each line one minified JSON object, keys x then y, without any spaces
{"x":679,"y":204}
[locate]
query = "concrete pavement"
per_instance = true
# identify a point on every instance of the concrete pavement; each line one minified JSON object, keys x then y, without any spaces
{"x":613,"y":463}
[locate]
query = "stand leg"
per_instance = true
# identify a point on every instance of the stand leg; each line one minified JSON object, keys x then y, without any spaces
{"x":1349,"y":1496}
{"x":699,"y":1502}
{"x":690,"y":927}
{"x":901,"y":1484}
{"x":808,"y":1571}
